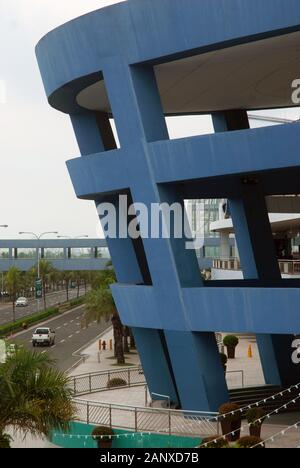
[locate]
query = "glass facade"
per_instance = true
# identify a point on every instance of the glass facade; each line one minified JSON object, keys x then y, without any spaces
{"x":201,"y":214}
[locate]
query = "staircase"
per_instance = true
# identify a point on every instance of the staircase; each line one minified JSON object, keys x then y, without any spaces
{"x":249,"y":396}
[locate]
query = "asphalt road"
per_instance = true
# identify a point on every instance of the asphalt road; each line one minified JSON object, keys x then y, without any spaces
{"x":52,"y":299}
{"x":70,"y":337}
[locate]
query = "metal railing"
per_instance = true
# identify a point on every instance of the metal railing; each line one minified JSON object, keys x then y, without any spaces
{"x":227,"y":264}
{"x":287,"y":267}
{"x":106,"y":380}
{"x":152,"y":420}
{"x":86,"y":384}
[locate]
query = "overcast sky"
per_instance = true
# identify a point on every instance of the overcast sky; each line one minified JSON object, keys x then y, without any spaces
{"x":36,"y":193}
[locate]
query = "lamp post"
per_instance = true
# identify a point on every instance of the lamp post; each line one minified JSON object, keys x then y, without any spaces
{"x":38,"y":238}
{"x":4,"y":226}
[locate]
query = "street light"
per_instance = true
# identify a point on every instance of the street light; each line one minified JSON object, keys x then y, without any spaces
{"x":4,"y":226}
{"x":38,"y":237}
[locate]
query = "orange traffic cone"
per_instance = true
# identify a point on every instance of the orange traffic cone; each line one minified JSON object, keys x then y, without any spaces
{"x":250,"y":352}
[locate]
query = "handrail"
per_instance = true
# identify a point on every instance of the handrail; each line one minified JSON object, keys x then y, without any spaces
{"x":287,"y":266}
{"x":208,"y":414}
{"x":165,"y":397}
{"x":152,"y":420}
{"x":95,"y":382}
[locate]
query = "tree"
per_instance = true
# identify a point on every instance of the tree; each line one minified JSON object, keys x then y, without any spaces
{"x":35,"y":397}
{"x":67,"y":277}
{"x":46,"y":269}
{"x":78,"y":277}
{"x":100,"y":304}
{"x":13,"y":285}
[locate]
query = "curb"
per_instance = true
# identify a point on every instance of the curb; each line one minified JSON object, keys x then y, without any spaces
{"x":77,"y":353}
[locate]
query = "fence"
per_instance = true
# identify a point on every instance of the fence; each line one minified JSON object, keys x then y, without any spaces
{"x":98,"y":381}
{"x":85,"y":384}
{"x":163,"y":421}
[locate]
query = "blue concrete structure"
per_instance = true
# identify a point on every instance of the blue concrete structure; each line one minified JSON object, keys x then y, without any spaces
{"x":180,"y":57}
{"x":64,"y":254}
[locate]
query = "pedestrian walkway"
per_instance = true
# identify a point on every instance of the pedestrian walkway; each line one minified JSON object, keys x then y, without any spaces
{"x":94,"y":360}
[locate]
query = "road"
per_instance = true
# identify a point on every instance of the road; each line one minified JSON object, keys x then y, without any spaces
{"x":52,"y":299}
{"x":70,"y":337}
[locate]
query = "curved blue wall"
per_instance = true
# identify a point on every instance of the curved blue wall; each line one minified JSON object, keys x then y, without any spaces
{"x":160,"y":292}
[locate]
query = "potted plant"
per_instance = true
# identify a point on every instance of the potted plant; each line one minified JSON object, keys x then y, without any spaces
{"x":256,"y":418}
{"x":249,"y":442}
{"x":214,"y":442}
{"x":224,"y":360}
{"x":231,"y":423}
{"x":103,"y":436}
{"x":231,"y":342}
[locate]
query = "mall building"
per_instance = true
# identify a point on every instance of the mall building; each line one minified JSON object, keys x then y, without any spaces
{"x":138,"y":62}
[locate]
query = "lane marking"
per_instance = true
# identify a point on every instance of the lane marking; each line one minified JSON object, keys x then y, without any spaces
{"x":66,"y":324}
{"x":71,"y":336}
{"x":62,"y":341}
{"x":78,"y":331}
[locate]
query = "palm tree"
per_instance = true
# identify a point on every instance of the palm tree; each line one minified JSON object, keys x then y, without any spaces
{"x":13,"y":285}
{"x":67,"y":276}
{"x":78,"y":277}
{"x":45,"y":270}
{"x":100,"y":304}
{"x":35,"y":397}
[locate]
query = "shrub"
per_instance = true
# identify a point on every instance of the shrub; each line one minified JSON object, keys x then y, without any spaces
{"x":255,"y":414}
{"x":9,"y":328}
{"x":219,"y":444}
{"x":5,"y":441}
{"x":103,"y":431}
{"x":117,"y":382}
{"x":249,"y":442}
{"x":224,"y":359}
{"x":231,"y":341}
{"x":78,"y":301}
{"x":227,"y":409}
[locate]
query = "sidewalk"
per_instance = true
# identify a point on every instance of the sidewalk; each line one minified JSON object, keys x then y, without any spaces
{"x":97,"y":361}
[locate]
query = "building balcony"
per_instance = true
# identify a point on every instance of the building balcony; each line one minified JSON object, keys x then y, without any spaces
{"x":288,"y":268}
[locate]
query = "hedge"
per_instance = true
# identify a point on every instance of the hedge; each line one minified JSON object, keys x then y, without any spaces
{"x":16,"y":326}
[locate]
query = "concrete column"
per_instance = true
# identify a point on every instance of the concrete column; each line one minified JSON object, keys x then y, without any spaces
{"x":139,"y":119}
{"x":127,"y":258}
{"x":224,"y":246}
{"x":198,"y":370}
{"x":258,"y":257}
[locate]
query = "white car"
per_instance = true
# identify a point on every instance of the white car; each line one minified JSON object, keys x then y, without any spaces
{"x":22,"y":302}
{"x":43,"y":336}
